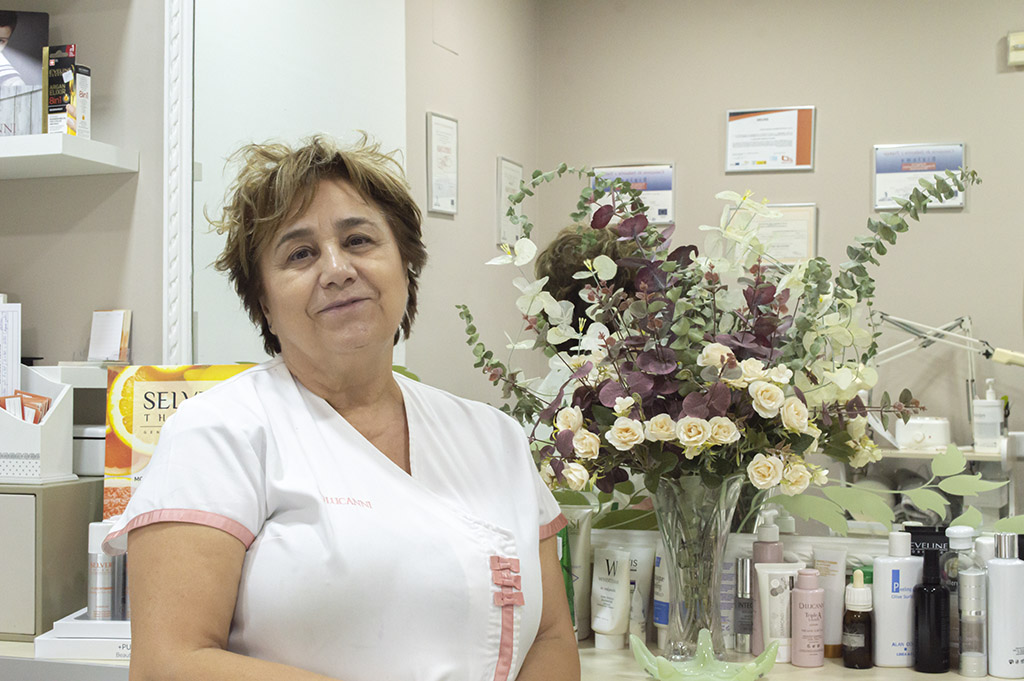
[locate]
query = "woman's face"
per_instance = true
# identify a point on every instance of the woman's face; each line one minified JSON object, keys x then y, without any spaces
{"x":333,"y":279}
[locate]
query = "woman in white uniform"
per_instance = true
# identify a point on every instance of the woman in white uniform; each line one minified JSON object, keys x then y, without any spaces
{"x":318,"y":516}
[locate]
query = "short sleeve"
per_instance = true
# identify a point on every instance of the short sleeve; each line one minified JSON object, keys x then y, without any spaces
{"x":208,"y":469}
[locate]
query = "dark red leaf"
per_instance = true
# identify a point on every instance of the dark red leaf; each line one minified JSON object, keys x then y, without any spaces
{"x":630,"y":227}
{"x":683,"y":255}
{"x":719,"y":397}
{"x":695,"y":404}
{"x":563,"y":442}
{"x":602,"y":216}
{"x":606,"y":483}
{"x":582,"y":371}
{"x":583,"y":397}
{"x":799,"y":395}
{"x":557,"y":465}
{"x":657,"y":361}
{"x":609,"y":392}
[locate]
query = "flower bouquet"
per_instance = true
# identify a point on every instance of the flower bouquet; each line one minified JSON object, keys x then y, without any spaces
{"x":700,"y":370}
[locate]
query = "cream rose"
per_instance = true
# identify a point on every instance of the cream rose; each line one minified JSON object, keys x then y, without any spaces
{"x":723,"y":431}
{"x":820,"y":477}
{"x":569,"y":418}
{"x":547,"y":474}
{"x":768,"y":398}
{"x":714,"y":355}
{"x":661,"y":427}
{"x":625,"y":433}
{"x":693,"y":432}
{"x":794,"y":415}
{"x":623,"y":405}
{"x":780,"y":374}
{"x":576,"y":476}
{"x":865,"y":452}
{"x":586,"y":444}
{"x":765,"y":471}
{"x":795,"y":479}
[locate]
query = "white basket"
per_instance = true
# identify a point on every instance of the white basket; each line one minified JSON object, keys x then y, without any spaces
{"x":34,"y":454}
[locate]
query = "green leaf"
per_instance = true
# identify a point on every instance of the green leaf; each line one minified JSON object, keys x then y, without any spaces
{"x":627,"y":487}
{"x":811,"y":507}
{"x":950,"y":462}
{"x":928,"y":500}
{"x":968,"y":485}
{"x":972,"y":518}
{"x":861,"y":502}
{"x":605,"y":267}
{"x":567,"y":497}
{"x":627,"y":519}
{"x":1015,"y":523}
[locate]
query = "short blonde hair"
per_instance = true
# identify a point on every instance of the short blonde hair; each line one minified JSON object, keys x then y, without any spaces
{"x":276,"y":183}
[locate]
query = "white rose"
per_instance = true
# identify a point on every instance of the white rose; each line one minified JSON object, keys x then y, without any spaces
{"x":693,"y":432}
{"x":623,"y":405}
{"x":768,"y":398}
{"x":576,"y":476}
{"x":547,"y":474}
{"x":723,"y":431}
{"x":570,"y":418}
{"x":714,"y":355}
{"x":661,"y":427}
{"x":861,"y":458}
{"x":794,"y":415}
{"x":795,"y":479}
{"x":586,"y":444}
{"x":780,"y":374}
{"x":765,"y":471}
{"x":753,"y":370}
{"x":820,"y":477}
{"x":625,"y":433}
{"x":865,"y":452}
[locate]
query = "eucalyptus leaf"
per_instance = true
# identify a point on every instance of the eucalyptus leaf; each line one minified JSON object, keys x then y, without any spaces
{"x":861,"y":502}
{"x":950,"y":462}
{"x":627,"y":519}
{"x":971,"y":517}
{"x":817,"y":508}
{"x":605,"y":267}
{"x":1014,"y":523}
{"x":928,"y":500}
{"x":568,"y":497}
{"x":968,"y":485}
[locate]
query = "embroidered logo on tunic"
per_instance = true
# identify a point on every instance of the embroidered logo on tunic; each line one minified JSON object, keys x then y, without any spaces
{"x":347,"y":501}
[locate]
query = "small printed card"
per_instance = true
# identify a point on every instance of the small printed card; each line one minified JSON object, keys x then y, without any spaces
{"x":109,"y":338}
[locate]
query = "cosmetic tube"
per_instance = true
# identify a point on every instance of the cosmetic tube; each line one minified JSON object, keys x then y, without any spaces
{"x":743,"y":605}
{"x":892,"y":592}
{"x":931,"y":619}
{"x":1005,"y":610}
{"x":767,"y":549}
{"x":973,"y":616}
{"x":641,"y":574}
{"x":774,"y":584}
{"x":831,"y":566}
{"x":610,"y":596}
{"x":580,"y":518}
{"x":100,"y":599}
{"x":661,"y":594}
{"x":808,"y":605}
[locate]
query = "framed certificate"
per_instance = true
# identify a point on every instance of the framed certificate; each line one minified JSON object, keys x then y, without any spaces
{"x":793,"y":236}
{"x":770,"y":139}
{"x":899,"y":167}
{"x":510,"y":175}
{"x":442,"y":164}
{"x":654,"y":180}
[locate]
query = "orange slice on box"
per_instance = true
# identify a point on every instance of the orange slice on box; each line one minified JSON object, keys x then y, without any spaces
{"x":120,"y":401}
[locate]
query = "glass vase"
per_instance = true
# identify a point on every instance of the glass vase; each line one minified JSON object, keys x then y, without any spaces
{"x":694,"y":521}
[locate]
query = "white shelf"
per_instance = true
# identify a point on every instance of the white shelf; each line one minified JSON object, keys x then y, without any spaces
{"x":28,"y":156}
{"x":969,"y":453}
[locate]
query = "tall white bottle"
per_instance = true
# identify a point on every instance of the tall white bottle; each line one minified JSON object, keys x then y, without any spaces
{"x":892,"y":591}
{"x":1006,"y":610}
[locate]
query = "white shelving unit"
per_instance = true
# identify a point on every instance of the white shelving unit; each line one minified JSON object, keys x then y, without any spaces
{"x":31,"y":156}
{"x":969,"y":453}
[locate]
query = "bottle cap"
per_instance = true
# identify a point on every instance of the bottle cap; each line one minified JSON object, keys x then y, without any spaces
{"x":1006,"y":545}
{"x":786,"y":523}
{"x":985,"y":548}
{"x":961,"y":537}
{"x":973,"y":665}
{"x":744,"y":581}
{"x":609,"y":641}
{"x":971,"y":589}
{"x":899,"y":544}
{"x":858,"y":595}
{"x":97,"y":533}
{"x":931,"y":566}
{"x":769,"y":531}
{"x":807,"y":578}
{"x":990,"y":389}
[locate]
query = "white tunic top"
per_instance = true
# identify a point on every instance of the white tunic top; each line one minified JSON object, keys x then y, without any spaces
{"x":355,"y":569}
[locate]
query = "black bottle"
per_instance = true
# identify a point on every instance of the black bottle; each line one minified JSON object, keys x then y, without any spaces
{"x":931,"y":619}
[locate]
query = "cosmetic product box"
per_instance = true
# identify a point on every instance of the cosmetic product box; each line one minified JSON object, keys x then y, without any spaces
{"x":44,"y":535}
{"x":89,"y":449}
{"x":76,"y":637}
{"x":38,"y":453}
{"x":67,"y":88}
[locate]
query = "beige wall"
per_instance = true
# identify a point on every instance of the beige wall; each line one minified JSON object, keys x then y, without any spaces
{"x":651,"y":81}
{"x":484,"y":74}
{"x":72,"y":245}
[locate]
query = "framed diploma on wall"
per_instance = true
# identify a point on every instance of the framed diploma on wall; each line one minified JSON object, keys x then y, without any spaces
{"x":510,"y":176}
{"x":442,"y":164}
{"x":900,"y":167}
{"x":794,"y":235}
{"x":779,"y":138}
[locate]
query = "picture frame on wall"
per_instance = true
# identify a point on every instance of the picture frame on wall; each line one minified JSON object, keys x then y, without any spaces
{"x":655,"y":182}
{"x":769,"y":139}
{"x":791,"y":237}
{"x":898,"y":169}
{"x":510,"y":176}
{"x":442,"y":164}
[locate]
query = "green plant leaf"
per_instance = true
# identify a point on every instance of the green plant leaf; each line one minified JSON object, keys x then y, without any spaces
{"x":568,"y":497}
{"x":950,"y":462}
{"x":605,"y":267}
{"x":861,"y":502}
{"x":1014,"y":523}
{"x":968,"y":485}
{"x":626,"y":487}
{"x":928,"y":500}
{"x":627,"y":519}
{"x":811,"y":507}
{"x":971,"y":517}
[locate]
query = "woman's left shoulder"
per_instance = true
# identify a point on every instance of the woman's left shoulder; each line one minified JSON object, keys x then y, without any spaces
{"x":443,"y":404}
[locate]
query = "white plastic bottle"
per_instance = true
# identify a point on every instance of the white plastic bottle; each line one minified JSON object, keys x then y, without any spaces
{"x":892,"y":590}
{"x":1006,"y":610}
{"x":988,"y":419}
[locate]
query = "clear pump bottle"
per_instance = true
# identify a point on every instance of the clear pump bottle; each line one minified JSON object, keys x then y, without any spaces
{"x":960,"y":557}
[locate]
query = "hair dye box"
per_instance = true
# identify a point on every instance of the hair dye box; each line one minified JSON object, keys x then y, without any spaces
{"x":67,"y":89}
{"x":23,"y":35}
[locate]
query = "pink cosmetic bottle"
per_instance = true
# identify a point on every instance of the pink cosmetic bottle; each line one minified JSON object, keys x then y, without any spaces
{"x":808,"y":603}
{"x":767,"y":549}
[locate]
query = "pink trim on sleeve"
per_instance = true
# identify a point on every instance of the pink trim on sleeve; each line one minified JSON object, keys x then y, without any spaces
{"x":552,"y":528}
{"x":185,"y":515}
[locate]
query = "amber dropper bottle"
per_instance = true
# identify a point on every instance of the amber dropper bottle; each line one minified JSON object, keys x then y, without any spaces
{"x":857,"y":633}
